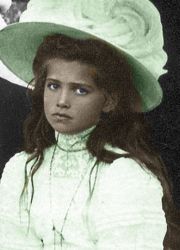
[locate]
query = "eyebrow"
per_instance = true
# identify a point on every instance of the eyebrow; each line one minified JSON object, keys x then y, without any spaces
{"x":76,"y":84}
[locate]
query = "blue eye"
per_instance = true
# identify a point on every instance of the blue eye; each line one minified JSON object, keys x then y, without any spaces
{"x":52,"y":86}
{"x":82,"y":91}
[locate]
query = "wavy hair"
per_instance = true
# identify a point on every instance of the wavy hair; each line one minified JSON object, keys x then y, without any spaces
{"x":124,"y":127}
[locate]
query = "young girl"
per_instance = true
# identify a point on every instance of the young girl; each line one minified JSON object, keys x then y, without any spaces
{"x":88,"y":177}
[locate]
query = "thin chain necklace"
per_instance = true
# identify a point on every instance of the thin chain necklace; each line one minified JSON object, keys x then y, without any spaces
{"x":60,"y":233}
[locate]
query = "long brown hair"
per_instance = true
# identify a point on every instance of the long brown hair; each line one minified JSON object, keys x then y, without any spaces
{"x":124,"y":127}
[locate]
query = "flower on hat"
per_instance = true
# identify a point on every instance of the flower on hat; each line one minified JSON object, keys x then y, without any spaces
{"x":131,"y":25}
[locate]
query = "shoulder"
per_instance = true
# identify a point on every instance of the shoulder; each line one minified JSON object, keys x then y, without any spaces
{"x":125,"y":166}
{"x":127,"y":170}
{"x":17,"y":158}
{"x":14,"y":168}
{"x":12,"y":183}
{"x":126,"y":177}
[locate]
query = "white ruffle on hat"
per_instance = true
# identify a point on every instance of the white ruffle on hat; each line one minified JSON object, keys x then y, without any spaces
{"x":132,"y":25}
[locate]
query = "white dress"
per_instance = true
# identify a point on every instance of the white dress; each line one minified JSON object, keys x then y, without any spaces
{"x":124,"y":212}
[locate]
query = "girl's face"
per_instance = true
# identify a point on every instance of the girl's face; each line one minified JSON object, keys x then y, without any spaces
{"x":72,"y":101}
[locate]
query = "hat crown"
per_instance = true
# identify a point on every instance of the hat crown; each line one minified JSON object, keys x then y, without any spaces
{"x":131,"y":25}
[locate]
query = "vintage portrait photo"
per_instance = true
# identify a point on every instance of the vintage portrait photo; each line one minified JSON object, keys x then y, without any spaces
{"x":89,"y":125}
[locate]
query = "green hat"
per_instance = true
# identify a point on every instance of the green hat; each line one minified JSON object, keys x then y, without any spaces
{"x":19,"y":42}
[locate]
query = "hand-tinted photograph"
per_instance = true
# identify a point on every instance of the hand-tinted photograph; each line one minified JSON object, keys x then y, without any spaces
{"x":89,"y":125}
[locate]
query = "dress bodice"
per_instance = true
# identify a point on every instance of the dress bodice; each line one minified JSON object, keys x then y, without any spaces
{"x":124,"y":212}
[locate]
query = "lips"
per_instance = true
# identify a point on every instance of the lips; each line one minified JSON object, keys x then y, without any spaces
{"x":62,"y":115}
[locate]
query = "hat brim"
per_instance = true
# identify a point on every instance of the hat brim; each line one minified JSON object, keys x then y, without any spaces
{"x":19,"y":43}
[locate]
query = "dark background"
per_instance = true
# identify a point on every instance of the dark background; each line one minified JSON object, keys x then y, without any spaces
{"x":165,"y":120}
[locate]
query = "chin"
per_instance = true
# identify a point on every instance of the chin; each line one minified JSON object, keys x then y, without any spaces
{"x":65,"y":130}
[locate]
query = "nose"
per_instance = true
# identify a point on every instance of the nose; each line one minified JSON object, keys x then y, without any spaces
{"x":63,"y":99}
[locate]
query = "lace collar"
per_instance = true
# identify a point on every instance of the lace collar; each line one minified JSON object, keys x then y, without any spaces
{"x":73,"y":142}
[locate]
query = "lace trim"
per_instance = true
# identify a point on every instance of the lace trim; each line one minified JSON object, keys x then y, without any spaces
{"x":74,"y":142}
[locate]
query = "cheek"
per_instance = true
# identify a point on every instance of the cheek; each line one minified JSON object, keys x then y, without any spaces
{"x":47,"y":104}
{"x":91,"y":109}
{"x":46,"y":110}
{"x":97,"y":104}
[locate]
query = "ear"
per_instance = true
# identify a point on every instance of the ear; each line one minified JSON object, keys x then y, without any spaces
{"x":110,"y":103}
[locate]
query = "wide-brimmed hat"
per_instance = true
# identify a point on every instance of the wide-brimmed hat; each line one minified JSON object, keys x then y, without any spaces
{"x":132,"y":26}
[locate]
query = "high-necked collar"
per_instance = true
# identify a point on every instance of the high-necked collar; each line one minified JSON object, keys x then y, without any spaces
{"x":73,"y":142}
